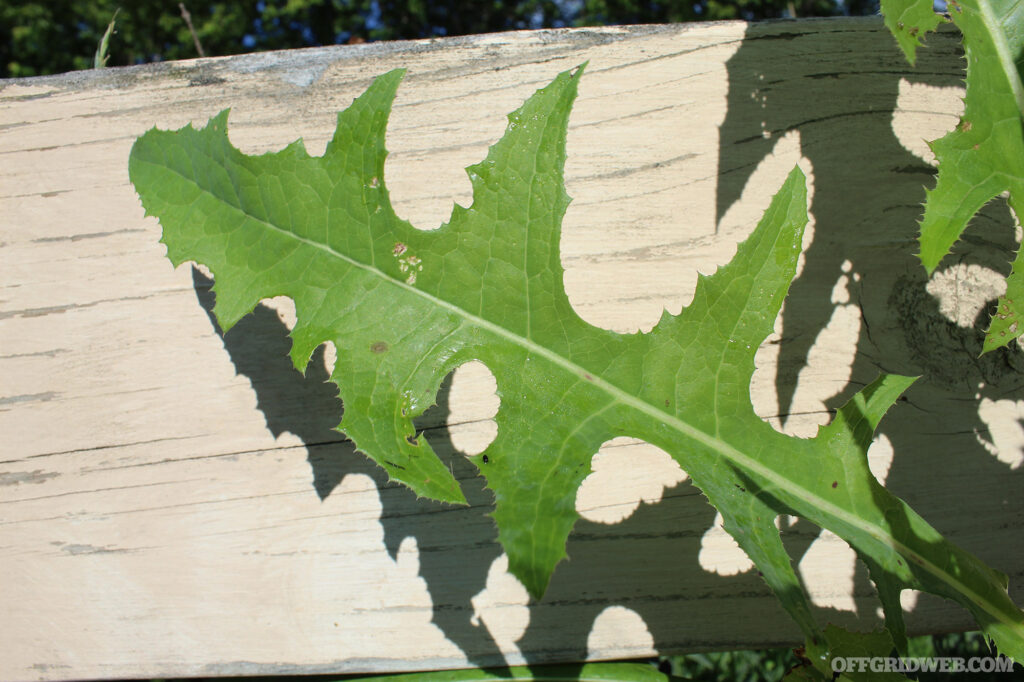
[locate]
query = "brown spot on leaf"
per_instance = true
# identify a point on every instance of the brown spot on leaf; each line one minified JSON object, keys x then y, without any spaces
{"x":379,"y":347}
{"x":835,"y":484}
{"x":399,"y":249}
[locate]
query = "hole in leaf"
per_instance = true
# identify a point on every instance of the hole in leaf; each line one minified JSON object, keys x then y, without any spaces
{"x":619,"y":632}
{"x":425,"y":171}
{"x":825,"y":375}
{"x":330,"y":357}
{"x":285,"y":309}
{"x":719,"y":552}
{"x":743,"y":216}
{"x":473,"y":403}
{"x":502,"y":606}
{"x":909,"y":598}
{"x":964,"y":290}
{"x":835,"y":579}
{"x":642,"y":222}
{"x":925,"y":112}
{"x":1005,"y":421}
{"x":827,"y":570}
{"x":880,"y":455}
{"x":625,"y":473}
{"x":922,"y":610}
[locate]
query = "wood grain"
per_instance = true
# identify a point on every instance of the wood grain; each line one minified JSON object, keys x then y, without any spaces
{"x":175,"y":503}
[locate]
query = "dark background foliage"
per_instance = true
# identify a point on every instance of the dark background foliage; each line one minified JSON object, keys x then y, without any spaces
{"x":53,"y":36}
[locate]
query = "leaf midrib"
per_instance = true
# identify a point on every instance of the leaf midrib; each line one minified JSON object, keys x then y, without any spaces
{"x":1003,"y":51}
{"x":686,"y":429}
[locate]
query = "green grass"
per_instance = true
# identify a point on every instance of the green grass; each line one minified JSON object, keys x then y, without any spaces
{"x":770,"y":665}
{"x":750,"y":665}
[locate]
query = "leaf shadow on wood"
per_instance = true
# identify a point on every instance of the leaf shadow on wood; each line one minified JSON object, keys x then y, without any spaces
{"x":648,"y":563}
{"x":868,"y":191}
{"x":456,"y":544}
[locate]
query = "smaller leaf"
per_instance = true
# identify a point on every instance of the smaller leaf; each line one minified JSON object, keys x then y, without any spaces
{"x":100,"y":59}
{"x":984,"y":156}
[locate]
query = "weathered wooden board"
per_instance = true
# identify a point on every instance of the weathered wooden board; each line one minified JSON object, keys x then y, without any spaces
{"x":175,"y":503}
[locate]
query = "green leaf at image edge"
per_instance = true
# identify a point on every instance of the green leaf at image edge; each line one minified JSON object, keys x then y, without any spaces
{"x":984,"y":156}
{"x":405,"y":307}
{"x":909,"y":21}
